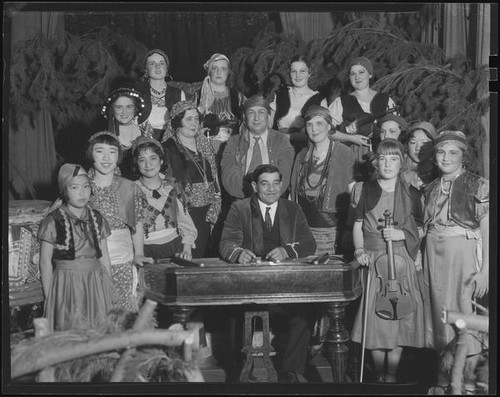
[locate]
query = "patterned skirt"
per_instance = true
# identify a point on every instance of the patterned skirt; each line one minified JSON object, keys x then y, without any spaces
{"x":326,"y":239}
{"x":125,"y":280}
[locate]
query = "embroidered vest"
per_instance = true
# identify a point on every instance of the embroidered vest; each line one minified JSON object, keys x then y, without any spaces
{"x":462,"y":206}
{"x":65,"y":242}
{"x":169,"y":213}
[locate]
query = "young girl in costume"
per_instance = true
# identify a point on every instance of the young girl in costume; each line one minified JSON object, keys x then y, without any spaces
{"x":456,"y":259}
{"x":120,"y":201}
{"x":168,"y":227}
{"x":385,"y":338}
{"x":78,"y":286}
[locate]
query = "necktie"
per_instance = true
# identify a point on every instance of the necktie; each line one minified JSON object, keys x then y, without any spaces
{"x":267,"y":220}
{"x":256,"y":155}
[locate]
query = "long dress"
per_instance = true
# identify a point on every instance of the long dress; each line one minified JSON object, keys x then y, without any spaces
{"x":382,"y":333}
{"x":167,"y":224}
{"x":121,"y":204}
{"x":452,"y":255}
{"x":81,"y":289}
{"x":197,"y":173}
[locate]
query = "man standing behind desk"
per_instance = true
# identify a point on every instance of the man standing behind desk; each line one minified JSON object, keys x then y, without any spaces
{"x":256,"y":144}
{"x":274,"y":229}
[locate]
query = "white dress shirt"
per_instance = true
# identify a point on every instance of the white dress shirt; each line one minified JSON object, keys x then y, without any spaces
{"x":272,"y":211}
{"x":263,"y":148}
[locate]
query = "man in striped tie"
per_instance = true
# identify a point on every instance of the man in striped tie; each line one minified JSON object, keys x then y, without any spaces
{"x":256,"y":144}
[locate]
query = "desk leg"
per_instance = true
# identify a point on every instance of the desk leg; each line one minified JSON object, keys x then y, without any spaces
{"x":337,"y":336}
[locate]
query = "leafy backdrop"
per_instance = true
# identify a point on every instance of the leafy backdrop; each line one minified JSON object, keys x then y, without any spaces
{"x":71,"y":76}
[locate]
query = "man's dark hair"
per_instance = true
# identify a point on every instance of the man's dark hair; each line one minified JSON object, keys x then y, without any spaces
{"x":262,"y":169}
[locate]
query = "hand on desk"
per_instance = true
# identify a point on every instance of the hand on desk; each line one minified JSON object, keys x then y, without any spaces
{"x":277,"y":254}
{"x":139,"y":260}
{"x":246,"y":256}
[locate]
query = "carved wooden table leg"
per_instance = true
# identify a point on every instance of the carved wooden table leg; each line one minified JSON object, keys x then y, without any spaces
{"x":182,"y":314}
{"x":336,"y":349}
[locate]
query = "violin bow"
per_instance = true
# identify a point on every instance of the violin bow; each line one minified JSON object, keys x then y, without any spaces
{"x":365,"y":312}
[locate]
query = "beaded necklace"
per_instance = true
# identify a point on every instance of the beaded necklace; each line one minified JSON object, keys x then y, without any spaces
{"x":158,"y":93}
{"x":194,"y":159}
{"x":155,"y":193}
{"x":310,"y":166}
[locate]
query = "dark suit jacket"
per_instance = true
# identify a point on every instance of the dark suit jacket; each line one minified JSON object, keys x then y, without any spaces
{"x":243,"y":229}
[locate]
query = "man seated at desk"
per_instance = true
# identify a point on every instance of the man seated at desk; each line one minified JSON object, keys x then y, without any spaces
{"x":273,"y":229}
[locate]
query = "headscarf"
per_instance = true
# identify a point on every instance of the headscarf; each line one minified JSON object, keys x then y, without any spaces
{"x":316,"y":110}
{"x":67,"y":172}
{"x":156,"y":51}
{"x":180,"y":107}
{"x":363,"y":61}
{"x":425,"y":126}
{"x":457,"y":137}
{"x":207,"y":95}
{"x":144,"y":139}
{"x":403,"y":125}
{"x":256,"y":100}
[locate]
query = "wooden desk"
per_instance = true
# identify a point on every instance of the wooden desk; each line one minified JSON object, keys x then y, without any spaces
{"x":211,"y":282}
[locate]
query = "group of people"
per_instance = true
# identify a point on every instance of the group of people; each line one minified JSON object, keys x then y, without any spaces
{"x":284,"y":174}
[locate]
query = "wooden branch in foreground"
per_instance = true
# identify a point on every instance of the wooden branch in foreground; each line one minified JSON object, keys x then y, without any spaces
{"x":42,"y":328}
{"x":473,"y":321}
{"x":457,"y":371}
{"x":27,"y":361}
{"x":145,"y":314}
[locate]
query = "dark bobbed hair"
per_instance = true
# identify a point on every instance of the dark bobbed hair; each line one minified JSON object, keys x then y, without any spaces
{"x":142,"y":147}
{"x":108,"y":140}
{"x":300,"y":58}
{"x":262,"y":169}
{"x":409,"y":134}
{"x":177,"y":119}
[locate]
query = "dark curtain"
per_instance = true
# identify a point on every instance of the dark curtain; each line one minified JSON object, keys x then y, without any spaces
{"x":32,"y":153}
{"x":189,"y":38}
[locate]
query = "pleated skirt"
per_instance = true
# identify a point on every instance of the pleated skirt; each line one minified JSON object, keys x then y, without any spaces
{"x":79,"y":295}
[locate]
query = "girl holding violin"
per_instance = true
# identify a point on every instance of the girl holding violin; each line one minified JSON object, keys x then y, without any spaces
{"x":386,"y":240}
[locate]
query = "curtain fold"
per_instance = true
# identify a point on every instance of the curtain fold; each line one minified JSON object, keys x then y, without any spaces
{"x":430,"y":30}
{"x":307,"y":25}
{"x":483,"y":58}
{"x":32,"y":153}
{"x":455,"y":29}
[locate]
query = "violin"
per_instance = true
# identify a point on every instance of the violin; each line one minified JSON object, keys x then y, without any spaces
{"x":364,"y":122}
{"x":393,"y":300}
